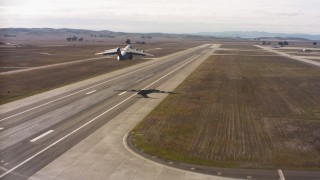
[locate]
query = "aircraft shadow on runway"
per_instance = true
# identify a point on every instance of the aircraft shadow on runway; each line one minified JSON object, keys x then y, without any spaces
{"x":146,"y":92}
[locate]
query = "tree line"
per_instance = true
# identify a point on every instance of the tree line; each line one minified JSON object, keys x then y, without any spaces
{"x":74,"y":38}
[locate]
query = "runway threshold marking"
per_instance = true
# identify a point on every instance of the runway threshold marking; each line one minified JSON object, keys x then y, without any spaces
{"x":41,"y":136}
{"x":92,"y":120}
{"x":281,"y":174}
{"x":91,"y":92}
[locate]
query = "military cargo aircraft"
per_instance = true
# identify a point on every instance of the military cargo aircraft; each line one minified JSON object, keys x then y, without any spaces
{"x":124,"y":53}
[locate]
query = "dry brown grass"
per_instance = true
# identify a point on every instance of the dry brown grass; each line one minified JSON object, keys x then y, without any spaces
{"x":318,"y":60}
{"x":250,"y":52}
{"x":39,"y":56}
{"x":16,"y":86}
{"x":239,"y":46}
{"x":237,"y":111}
{"x":28,"y":83}
{"x":305,"y":54}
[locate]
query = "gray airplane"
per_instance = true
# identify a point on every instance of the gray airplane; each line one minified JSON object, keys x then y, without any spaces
{"x":124,"y":53}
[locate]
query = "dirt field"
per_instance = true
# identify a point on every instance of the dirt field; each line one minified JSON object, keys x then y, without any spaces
{"x":25,"y":57}
{"x":239,"y":46}
{"x":304,"y":54}
{"x":250,"y":52}
{"x":39,"y":56}
{"x":318,"y":60}
{"x":16,"y":86}
{"x":238,"y":111}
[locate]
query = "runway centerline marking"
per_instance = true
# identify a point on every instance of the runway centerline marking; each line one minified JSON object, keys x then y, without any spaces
{"x":91,"y":92}
{"x":41,"y":136}
{"x":79,"y":91}
{"x":281,"y":175}
{"x":122,"y":93}
{"x":83,"y":90}
{"x":92,"y":120}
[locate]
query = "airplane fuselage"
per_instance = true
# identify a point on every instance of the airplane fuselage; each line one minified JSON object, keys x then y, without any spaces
{"x":124,"y":53}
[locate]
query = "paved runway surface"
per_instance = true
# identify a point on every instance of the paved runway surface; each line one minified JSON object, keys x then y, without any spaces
{"x":298,"y":58}
{"x":78,"y":131}
{"x":47,"y":125}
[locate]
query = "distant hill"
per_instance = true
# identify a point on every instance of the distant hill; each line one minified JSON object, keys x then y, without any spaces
{"x":257,"y":34}
{"x":56,"y":32}
{"x":65,"y":32}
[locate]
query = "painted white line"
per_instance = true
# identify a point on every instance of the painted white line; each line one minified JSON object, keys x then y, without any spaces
{"x":281,"y":175}
{"x":89,"y":122}
{"x":172,"y":71}
{"x":1,"y":128}
{"x":122,"y":93}
{"x":41,"y":136}
{"x":84,"y":89}
{"x":14,"y":67}
{"x":152,"y":49}
{"x":288,"y":55}
{"x":61,"y":139}
{"x":45,"y":53}
{"x":3,"y":168}
{"x":78,"y":91}
{"x":91,"y":92}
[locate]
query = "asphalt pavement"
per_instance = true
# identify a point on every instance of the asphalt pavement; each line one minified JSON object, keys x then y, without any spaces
{"x":80,"y":131}
{"x":37,"y":130}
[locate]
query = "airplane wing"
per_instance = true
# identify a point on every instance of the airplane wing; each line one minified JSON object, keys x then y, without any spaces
{"x":138,"y":53}
{"x":110,"y":52}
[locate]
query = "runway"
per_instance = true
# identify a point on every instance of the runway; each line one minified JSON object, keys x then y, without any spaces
{"x":298,"y":58}
{"x":38,"y":129}
{"x":79,"y":131}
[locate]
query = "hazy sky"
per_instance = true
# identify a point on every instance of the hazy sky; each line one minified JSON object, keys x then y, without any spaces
{"x":169,"y":16}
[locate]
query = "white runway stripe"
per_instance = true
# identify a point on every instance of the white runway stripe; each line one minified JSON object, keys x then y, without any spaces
{"x":41,"y":136}
{"x":91,"y":92}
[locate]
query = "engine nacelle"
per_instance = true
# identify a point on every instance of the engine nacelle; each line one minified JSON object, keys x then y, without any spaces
{"x":120,"y":58}
{"x":119,"y":51}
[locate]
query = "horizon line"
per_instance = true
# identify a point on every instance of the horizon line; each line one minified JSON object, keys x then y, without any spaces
{"x":162,"y":32}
